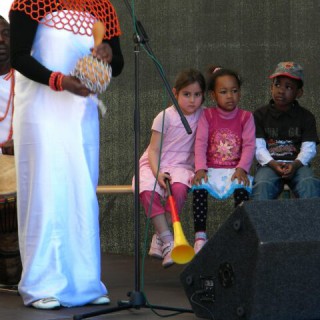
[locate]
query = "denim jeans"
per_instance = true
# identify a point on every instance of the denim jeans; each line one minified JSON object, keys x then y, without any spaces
{"x":268,"y":184}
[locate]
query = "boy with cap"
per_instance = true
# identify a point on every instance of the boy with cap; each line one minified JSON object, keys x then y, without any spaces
{"x":286,"y":139}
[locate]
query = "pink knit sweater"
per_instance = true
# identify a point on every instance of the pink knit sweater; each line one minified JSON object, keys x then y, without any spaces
{"x":225,"y":139}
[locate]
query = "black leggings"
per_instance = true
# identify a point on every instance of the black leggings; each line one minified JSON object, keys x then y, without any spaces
{"x":200,"y":206}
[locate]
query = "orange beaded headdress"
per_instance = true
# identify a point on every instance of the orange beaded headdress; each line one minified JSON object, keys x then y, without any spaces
{"x":56,"y":13}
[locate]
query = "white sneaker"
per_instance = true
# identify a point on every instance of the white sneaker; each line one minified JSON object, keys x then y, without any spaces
{"x":166,"y":254}
{"x":156,"y":247}
{"x":101,"y":300}
{"x":46,"y":303}
{"x":199,"y":244}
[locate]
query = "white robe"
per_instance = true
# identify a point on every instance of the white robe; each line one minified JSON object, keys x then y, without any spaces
{"x":57,"y":162}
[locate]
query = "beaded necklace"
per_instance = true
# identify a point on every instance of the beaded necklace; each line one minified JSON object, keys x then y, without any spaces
{"x":78,"y":22}
{"x":9,"y":104}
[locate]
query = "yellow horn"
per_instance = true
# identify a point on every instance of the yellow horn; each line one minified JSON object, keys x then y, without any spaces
{"x":182,"y":252}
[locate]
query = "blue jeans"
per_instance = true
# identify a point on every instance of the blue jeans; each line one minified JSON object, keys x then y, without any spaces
{"x":268,"y":184}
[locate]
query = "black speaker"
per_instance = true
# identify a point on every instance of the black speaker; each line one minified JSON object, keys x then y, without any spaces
{"x":262,"y":264}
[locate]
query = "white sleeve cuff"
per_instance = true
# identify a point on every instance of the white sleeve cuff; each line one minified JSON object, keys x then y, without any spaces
{"x":262,"y":154}
{"x":307,"y":152}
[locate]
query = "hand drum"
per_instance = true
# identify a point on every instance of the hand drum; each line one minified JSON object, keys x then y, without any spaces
{"x":93,"y":73}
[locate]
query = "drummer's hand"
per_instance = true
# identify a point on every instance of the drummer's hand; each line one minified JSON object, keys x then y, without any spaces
{"x":73,"y":85}
{"x":103,"y":52}
{"x":8,"y":148}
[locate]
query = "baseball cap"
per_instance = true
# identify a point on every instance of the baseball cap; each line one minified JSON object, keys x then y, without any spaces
{"x":288,"y":69}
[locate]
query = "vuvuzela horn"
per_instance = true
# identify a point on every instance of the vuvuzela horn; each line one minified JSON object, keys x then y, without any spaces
{"x":182,"y":252}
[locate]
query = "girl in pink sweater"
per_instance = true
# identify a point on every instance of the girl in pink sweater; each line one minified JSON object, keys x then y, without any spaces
{"x":224,"y":149}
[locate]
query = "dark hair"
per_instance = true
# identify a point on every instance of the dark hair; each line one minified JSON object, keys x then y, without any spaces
{"x":214,"y":72}
{"x":187,"y":77}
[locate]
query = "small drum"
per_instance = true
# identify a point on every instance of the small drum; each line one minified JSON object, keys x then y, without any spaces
{"x":10,"y":262}
{"x":93,"y":73}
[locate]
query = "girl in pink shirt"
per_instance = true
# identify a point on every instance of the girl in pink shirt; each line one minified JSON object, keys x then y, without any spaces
{"x":171,"y":150}
{"x":224,"y":149}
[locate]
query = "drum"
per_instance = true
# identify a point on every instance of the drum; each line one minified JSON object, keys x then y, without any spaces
{"x":8,"y":216}
{"x":10,"y":262}
{"x":94,"y":73}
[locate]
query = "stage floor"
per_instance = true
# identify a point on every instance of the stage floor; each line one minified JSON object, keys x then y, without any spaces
{"x":162,"y":287}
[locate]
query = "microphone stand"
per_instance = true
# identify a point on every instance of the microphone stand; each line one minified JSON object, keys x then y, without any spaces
{"x":137,"y":298}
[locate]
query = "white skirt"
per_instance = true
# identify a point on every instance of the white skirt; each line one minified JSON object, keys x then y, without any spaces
{"x":219,"y":183}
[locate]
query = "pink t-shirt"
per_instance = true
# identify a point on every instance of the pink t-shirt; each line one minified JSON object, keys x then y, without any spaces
{"x":225,"y":139}
{"x":177,"y":156}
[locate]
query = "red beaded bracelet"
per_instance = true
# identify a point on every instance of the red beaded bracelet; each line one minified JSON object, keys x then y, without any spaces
{"x":59,"y":82}
{"x":55,"y":81}
{"x":52,"y":80}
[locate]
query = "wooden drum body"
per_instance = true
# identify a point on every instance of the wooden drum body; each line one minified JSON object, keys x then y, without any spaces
{"x":10,"y":262}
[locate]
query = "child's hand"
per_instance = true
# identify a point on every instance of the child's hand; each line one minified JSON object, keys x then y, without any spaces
{"x":241,"y":176}
{"x":290,"y":169}
{"x":278,"y":167}
{"x":161,"y":179}
{"x":200,"y":174}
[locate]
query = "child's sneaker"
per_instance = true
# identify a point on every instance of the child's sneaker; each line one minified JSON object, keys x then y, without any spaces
{"x":156,"y":247}
{"x":199,"y":243}
{"x":166,"y":254}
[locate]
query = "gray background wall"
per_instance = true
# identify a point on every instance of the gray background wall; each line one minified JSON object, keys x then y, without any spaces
{"x":250,"y":36}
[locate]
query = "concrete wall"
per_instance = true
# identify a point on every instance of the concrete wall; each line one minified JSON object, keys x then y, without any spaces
{"x":250,"y":36}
